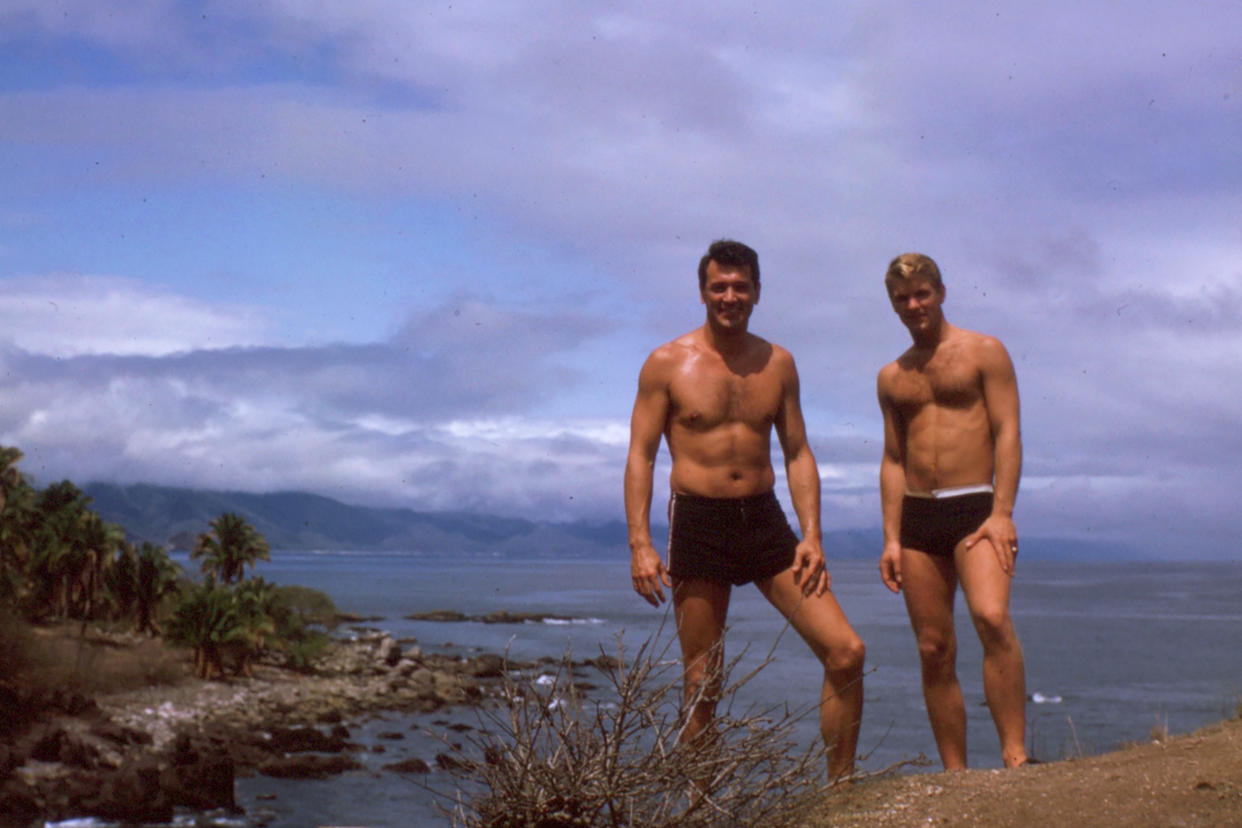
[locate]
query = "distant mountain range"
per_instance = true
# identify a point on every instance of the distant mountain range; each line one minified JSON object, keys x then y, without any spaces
{"x":173,"y":517}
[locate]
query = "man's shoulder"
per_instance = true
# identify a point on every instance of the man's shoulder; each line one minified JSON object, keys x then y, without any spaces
{"x":672,"y":354}
{"x":902,"y":363}
{"x":678,"y":348}
{"x":983,"y":346}
{"x":778,"y":352}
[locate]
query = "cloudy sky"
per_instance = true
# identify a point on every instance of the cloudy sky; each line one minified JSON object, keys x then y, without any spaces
{"x":414,"y":254}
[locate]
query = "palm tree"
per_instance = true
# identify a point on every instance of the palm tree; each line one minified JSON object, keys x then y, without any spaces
{"x":10,"y":477}
{"x":157,"y":577}
{"x":207,"y":619}
{"x":59,"y":561}
{"x":99,"y":542}
{"x":256,"y":600}
{"x":18,"y":526}
{"x":16,"y":499}
{"x":120,"y":583}
{"x":228,"y":547}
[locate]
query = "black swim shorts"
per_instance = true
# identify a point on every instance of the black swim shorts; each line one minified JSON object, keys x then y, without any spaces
{"x":936,"y":525}
{"x":734,"y":540}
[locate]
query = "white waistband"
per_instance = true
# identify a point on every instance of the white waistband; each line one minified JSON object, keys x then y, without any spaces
{"x":953,"y":491}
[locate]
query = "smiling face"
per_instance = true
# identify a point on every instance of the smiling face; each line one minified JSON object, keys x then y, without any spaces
{"x":917,"y":301}
{"x":730,"y":294}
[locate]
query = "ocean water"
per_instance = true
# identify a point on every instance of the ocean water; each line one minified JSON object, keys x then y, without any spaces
{"x":1113,"y":652}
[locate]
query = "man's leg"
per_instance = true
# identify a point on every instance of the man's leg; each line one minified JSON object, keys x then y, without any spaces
{"x":700,"y":607}
{"x":823,"y":626}
{"x":928,"y":584}
{"x":986,"y":587}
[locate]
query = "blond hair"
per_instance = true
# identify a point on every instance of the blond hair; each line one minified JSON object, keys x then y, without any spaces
{"x":912,"y":266}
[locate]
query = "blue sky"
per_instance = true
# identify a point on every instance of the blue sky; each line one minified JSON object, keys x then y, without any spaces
{"x":413,"y":254}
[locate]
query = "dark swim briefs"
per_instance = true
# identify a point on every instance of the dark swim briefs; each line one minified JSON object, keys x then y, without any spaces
{"x":734,"y":540}
{"x":936,"y":525}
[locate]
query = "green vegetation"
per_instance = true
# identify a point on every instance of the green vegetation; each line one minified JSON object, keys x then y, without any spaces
{"x":229,"y":547}
{"x":61,"y":562}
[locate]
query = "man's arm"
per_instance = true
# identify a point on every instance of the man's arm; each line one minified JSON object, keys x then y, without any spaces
{"x":646,"y":426}
{"x":809,"y":569}
{"x":892,"y":491}
{"x":1000,"y":395}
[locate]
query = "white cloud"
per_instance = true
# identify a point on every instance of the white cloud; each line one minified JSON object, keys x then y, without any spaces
{"x":65,"y":315}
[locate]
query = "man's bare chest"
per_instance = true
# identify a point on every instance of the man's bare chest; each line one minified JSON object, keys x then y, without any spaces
{"x":702,"y":401}
{"x":945,"y":383}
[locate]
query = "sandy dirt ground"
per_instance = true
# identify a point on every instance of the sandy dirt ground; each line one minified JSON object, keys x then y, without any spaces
{"x":1189,"y":780}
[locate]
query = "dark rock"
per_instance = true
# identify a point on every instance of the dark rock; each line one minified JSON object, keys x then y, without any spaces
{"x":409,"y":766}
{"x":437,"y":615}
{"x":506,"y":617}
{"x":449,"y":762}
{"x":199,"y":775}
{"x":391,"y":735}
{"x":354,"y":618}
{"x":308,"y":766}
{"x":52,"y":743}
{"x":12,"y":709}
{"x":604,"y":662}
{"x":133,"y":794}
{"x":330,"y":717}
{"x":71,"y":703}
{"x":487,"y":665}
{"x":388,"y":651}
{"x":120,"y":736}
{"x":304,"y":739}
{"x":18,"y":805}
{"x":10,"y":758}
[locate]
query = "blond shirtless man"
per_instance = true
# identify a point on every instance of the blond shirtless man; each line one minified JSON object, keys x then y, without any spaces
{"x":948,"y":480}
{"x":715,"y":394}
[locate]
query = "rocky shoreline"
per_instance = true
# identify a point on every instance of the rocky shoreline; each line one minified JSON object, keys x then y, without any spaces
{"x":137,"y":756}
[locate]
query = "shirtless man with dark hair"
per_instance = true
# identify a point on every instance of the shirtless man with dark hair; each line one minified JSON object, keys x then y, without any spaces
{"x":948,"y":481}
{"x":715,"y":394}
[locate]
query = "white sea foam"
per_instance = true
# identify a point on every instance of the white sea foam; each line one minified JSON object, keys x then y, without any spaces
{"x":1044,"y":698}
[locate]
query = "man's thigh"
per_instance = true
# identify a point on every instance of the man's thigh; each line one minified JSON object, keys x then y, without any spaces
{"x":819,"y":619}
{"x":985,"y":585}
{"x":700,"y":607}
{"x":928,"y":584}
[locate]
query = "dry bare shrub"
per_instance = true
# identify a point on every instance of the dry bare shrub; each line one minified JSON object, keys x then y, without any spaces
{"x":551,"y":756}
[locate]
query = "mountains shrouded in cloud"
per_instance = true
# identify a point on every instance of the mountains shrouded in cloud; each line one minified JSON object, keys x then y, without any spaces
{"x":300,"y":521}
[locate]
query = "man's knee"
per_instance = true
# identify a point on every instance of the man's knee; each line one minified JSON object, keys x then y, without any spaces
{"x":937,"y":651}
{"x":847,"y":658}
{"x":994,"y":626}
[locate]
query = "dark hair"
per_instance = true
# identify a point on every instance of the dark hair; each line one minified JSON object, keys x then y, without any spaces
{"x":729,"y":253}
{"x":912,"y":266}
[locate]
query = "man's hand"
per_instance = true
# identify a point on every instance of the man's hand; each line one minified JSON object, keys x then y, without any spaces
{"x":1003,"y":535}
{"x":648,"y":571}
{"x":809,"y":570}
{"x":890,"y":566}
